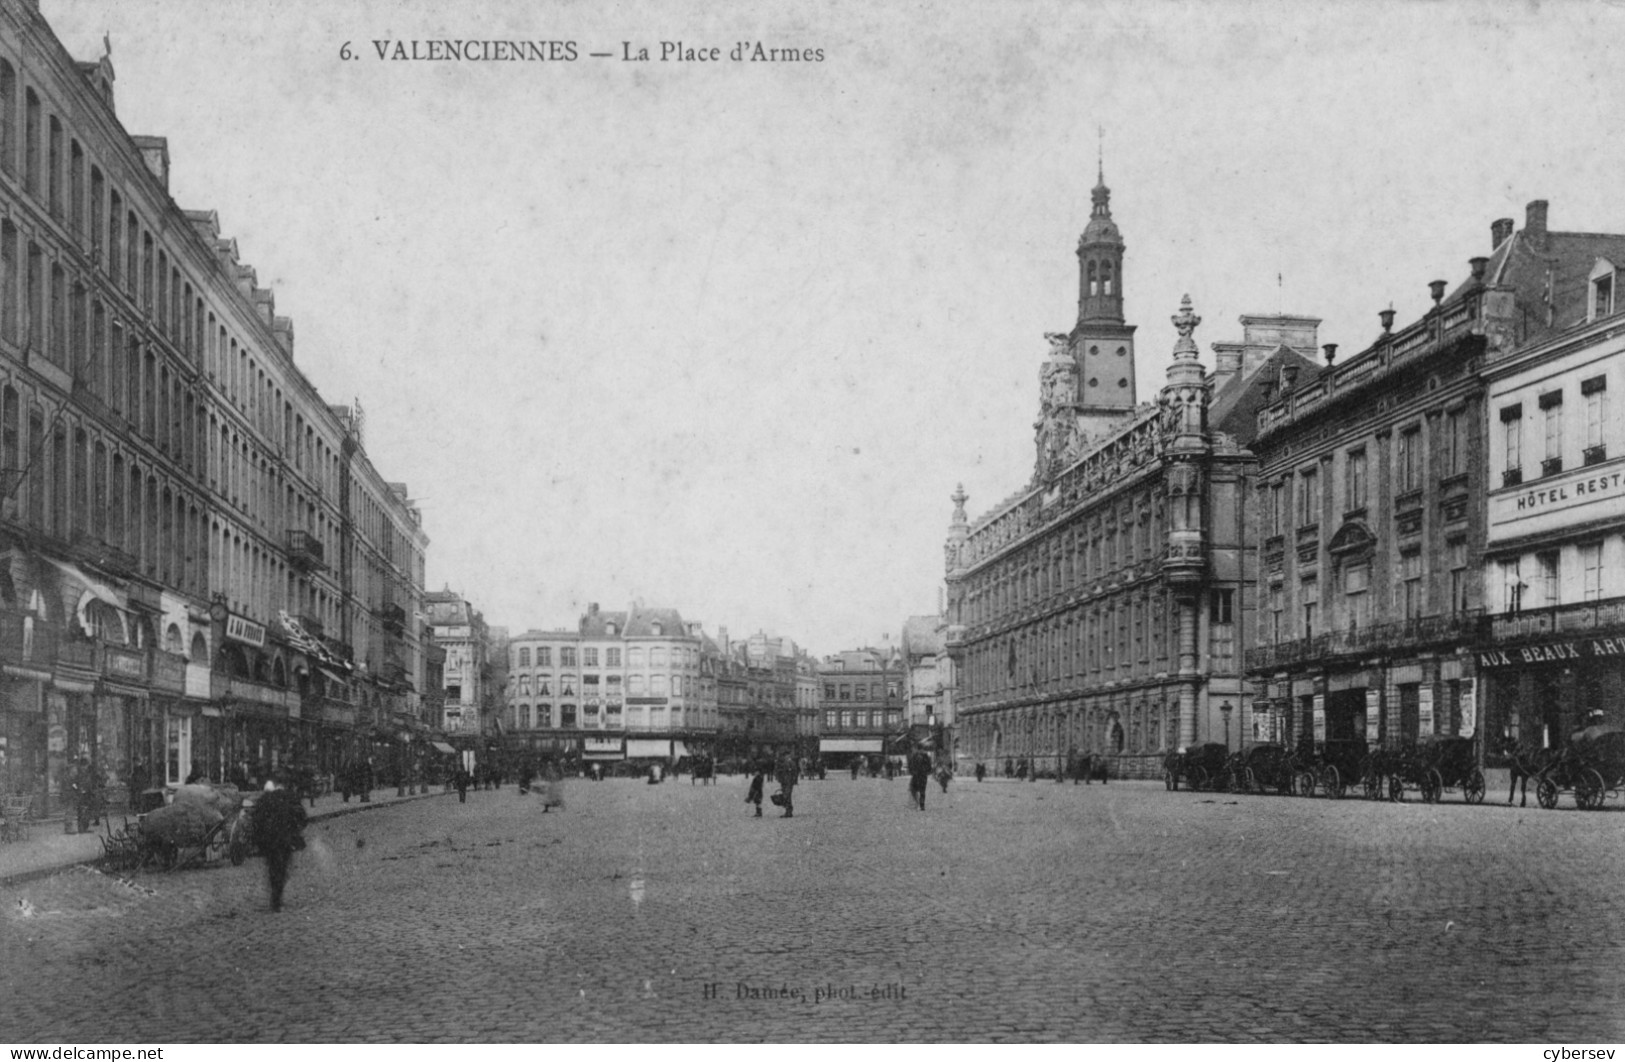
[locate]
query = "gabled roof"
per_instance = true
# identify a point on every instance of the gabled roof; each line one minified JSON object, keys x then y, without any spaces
{"x":1238,"y":400}
{"x":641,"y":622}
{"x":596,"y":624}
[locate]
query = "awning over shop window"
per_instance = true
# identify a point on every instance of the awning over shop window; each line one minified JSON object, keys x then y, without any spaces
{"x":849,"y":745}
{"x":441,"y":746}
{"x":646,"y":747}
{"x":89,"y":590}
{"x":603,"y":756}
{"x":334,"y":676}
{"x":679,"y":749}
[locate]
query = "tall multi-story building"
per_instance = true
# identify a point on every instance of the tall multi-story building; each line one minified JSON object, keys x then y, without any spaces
{"x":632,"y":684}
{"x":1375,"y":490}
{"x":199,"y":558}
{"x":460,"y":632}
{"x":862,"y":703}
{"x":1552,"y":656}
{"x":923,"y":699}
{"x":1097,"y":610}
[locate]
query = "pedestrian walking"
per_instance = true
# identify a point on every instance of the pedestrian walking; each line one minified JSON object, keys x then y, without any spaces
{"x":753,"y":795}
{"x":552,"y":788}
{"x":919,"y":776}
{"x":279,"y":823}
{"x":787,"y":775}
{"x":981,"y":772}
{"x":943,"y":776}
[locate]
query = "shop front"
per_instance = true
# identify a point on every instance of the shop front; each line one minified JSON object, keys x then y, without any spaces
{"x":1542,"y":684}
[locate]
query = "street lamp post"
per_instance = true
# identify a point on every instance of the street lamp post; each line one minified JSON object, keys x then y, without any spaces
{"x":1225,"y":709}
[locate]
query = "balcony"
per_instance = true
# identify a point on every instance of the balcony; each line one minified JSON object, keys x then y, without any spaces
{"x":1558,"y":619}
{"x":1459,"y":627}
{"x":1511,"y":477}
{"x":305,"y":551}
{"x":1595,"y":455}
{"x":256,"y":697}
{"x":1551,"y":466}
{"x":393,"y":617}
{"x":76,"y":652}
{"x":122,"y":664}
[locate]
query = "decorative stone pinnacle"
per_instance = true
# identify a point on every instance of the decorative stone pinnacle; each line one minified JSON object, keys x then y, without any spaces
{"x":959,"y":499}
{"x":1186,"y":323}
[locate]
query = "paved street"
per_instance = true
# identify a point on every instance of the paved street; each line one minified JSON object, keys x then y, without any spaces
{"x":1006,"y":911}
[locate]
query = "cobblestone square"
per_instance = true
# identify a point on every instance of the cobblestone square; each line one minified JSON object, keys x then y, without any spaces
{"x":1005,"y":912}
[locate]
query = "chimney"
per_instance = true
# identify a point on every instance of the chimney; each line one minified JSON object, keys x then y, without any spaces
{"x":1534,"y":222}
{"x":1500,"y":232}
{"x":1227,"y":362}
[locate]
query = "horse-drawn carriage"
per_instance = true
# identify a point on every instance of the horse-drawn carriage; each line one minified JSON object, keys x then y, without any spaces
{"x":1336,"y":766}
{"x":1264,"y":767}
{"x":1199,"y":767}
{"x":1431,"y":767}
{"x":1591,"y":766}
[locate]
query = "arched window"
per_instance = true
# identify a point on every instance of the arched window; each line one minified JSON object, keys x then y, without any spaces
{"x":1094,"y":282}
{"x":172,"y":640}
{"x":200,"y":649}
{"x":1106,"y":278}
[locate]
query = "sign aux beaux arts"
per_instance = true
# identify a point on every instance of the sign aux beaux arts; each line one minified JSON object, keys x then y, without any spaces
{"x":1552,"y":652}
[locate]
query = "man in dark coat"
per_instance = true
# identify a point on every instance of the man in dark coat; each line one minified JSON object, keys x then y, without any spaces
{"x":279,"y":823}
{"x":919,"y":777}
{"x":787,"y":775}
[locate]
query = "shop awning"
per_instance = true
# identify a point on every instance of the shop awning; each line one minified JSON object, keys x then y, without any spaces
{"x":849,"y":744}
{"x":333,"y":676}
{"x":441,"y":746}
{"x":678,"y":749}
{"x":602,"y":756}
{"x":636,"y":747}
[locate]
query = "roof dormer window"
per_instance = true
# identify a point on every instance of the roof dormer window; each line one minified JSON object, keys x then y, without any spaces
{"x":1602,"y":290}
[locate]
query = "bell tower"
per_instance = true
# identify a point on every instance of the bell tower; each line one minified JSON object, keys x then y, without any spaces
{"x":1102,"y":344}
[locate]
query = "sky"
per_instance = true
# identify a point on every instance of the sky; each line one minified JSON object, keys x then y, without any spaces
{"x":724,"y":336}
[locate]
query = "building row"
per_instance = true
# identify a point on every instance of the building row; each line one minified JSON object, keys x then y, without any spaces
{"x":1422,"y":538}
{"x":201,"y":570}
{"x":644,"y":683}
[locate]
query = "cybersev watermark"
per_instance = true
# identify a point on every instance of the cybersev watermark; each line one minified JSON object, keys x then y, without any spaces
{"x":828,"y":992}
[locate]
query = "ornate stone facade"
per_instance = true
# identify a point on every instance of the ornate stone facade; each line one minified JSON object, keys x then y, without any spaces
{"x":1098,"y":610}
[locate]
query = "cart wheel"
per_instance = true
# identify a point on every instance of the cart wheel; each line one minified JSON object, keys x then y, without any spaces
{"x":1588,"y":790}
{"x":1546,"y":793}
{"x":1303,"y":783}
{"x":1332,"y":782}
{"x":1198,"y":778}
{"x":1432,"y":786}
{"x":1472,"y":790}
{"x":1396,"y":788}
{"x":1372,"y":782}
{"x":1251,"y":781}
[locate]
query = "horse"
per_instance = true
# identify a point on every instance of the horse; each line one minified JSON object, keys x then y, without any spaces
{"x":1526,"y":763}
{"x":1094,"y":768}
